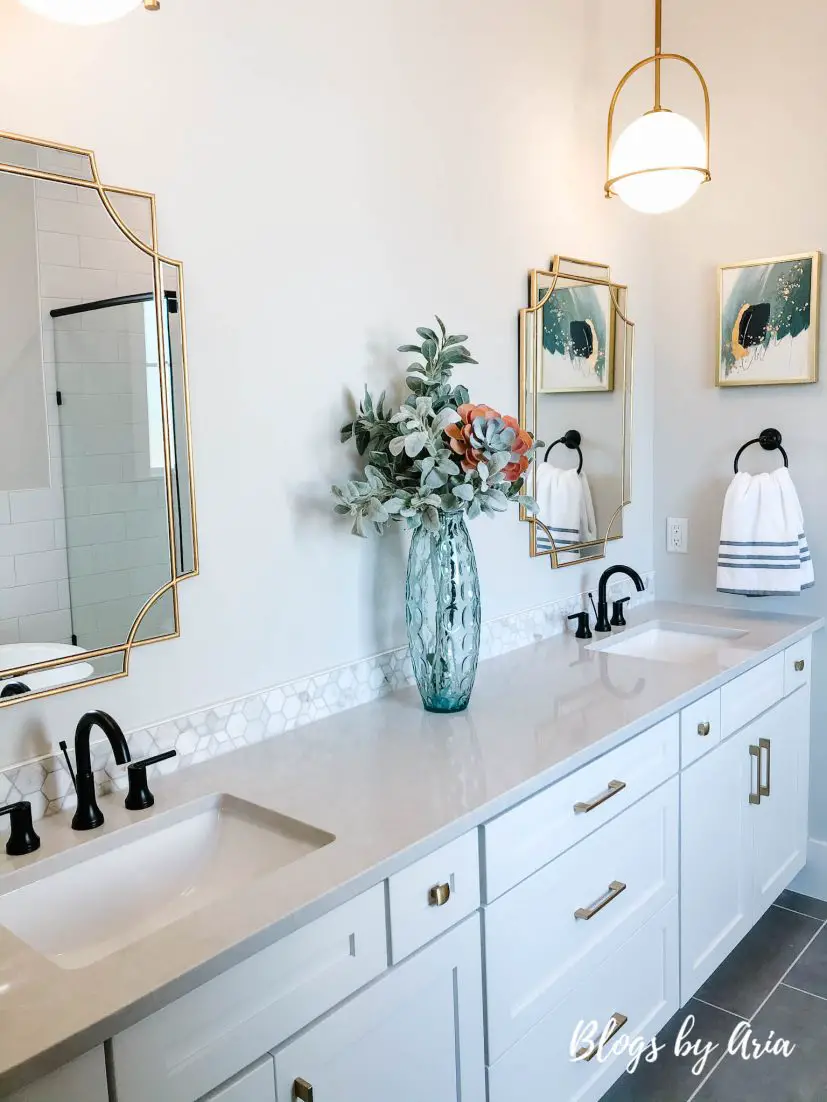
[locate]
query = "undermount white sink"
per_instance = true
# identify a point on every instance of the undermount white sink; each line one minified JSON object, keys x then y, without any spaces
{"x":87,"y":903}
{"x":660,"y":641}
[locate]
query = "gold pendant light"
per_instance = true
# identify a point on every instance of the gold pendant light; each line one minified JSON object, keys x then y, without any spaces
{"x":660,"y":160}
{"x":86,"y":12}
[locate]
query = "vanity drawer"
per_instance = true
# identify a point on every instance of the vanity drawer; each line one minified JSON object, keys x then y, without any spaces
{"x":204,"y":1038}
{"x":751,"y":694}
{"x":435,"y":893}
{"x":639,"y":982}
{"x":545,"y":936}
{"x":700,"y":728}
{"x":535,"y":832}
{"x":798,"y":664}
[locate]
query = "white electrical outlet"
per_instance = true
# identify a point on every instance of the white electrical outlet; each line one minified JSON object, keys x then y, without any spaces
{"x":677,"y":535}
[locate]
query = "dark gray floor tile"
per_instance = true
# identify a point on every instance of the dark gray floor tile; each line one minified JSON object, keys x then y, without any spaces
{"x":798,"y":1018}
{"x":755,"y":966}
{"x":810,"y":974}
{"x":670,"y":1078}
{"x":804,"y":904}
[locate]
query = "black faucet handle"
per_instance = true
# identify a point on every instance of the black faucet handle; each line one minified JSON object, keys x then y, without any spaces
{"x":22,"y":838}
{"x":139,"y":798}
{"x":618,"y":619}
{"x":583,"y":629}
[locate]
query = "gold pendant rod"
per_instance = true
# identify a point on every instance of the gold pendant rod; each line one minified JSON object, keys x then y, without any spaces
{"x":658,"y":43}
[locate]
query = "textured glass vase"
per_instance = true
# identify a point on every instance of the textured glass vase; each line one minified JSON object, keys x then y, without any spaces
{"x":442,"y":610}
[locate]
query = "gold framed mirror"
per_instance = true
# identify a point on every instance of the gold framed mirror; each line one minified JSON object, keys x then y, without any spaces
{"x":576,"y":395}
{"x":97,"y":508}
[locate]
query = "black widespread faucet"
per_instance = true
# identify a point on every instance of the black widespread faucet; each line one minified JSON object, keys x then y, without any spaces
{"x":88,"y":815}
{"x":602,"y":601}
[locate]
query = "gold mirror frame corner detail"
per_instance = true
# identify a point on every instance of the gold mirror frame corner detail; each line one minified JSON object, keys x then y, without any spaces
{"x":95,"y":183}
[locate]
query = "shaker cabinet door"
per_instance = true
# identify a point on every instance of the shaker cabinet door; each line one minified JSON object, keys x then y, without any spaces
{"x":416,"y":1034}
{"x":780,"y":820}
{"x":716,"y":858}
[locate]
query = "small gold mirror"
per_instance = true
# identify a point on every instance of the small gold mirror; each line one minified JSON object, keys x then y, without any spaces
{"x":97,"y":513}
{"x":576,"y":381}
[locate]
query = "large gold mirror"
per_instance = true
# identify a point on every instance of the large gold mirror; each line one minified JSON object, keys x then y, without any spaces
{"x":576,"y":383}
{"x":97,"y":513}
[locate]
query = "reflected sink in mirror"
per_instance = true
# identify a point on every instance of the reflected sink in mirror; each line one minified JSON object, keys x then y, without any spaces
{"x":79,"y":907}
{"x":15,"y":655}
{"x":659,"y":641}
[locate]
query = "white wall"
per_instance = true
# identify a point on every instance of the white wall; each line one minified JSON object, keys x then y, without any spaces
{"x":768,"y":83}
{"x":333,"y":175}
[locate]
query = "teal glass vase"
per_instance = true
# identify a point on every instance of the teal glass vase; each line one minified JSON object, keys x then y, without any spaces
{"x":442,"y":611}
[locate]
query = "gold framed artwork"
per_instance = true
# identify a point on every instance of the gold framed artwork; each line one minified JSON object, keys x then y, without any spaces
{"x":768,"y":321}
{"x":577,"y":334}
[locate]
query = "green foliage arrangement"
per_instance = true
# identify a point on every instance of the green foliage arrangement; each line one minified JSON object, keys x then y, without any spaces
{"x":438,"y":452}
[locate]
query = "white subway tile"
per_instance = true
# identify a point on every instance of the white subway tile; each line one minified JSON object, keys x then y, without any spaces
{"x":64,"y":599}
{"x":97,"y":409}
{"x":28,"y":600}
{"x":147,"y":522}
{"x":6,"y":571}
{"x":82,"y":560}
{"x":9,"y":632}
{"x":80,"y":219}
{"x":51,"y":189}
{"x":96,"y":439}
{"x":48,"y":627}
{"x":115,"y":256}
{"x":85,"y":531}
{"x":60,"y":533}
{"x":96,"y":589}
{"x":72,"y":379}
{"x":148,"y":580}
{"x":77,"y":501}
{"x":29,"y":505}
{"x":132,"y":283}
{"x":40,"y":566}
{"x":83,"y":346}
{"x":59,"y":281}
{"x":5,"y":512}
{"x":132,"y":553}
{"x":58,"y":248}
{"x":20,"y":539}
{"x":92,"y":470}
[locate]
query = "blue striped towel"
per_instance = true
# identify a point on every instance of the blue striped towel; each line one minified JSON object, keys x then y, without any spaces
{"x":763,"y":550}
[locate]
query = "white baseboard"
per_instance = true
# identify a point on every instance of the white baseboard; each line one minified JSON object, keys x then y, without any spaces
{"x":812,"y":880}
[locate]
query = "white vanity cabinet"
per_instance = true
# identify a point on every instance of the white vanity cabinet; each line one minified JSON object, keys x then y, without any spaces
{"x":609,"y":896}
{"x":743,"y":831}
{"x":84,"y":1080}
{"x":415,"y":1034}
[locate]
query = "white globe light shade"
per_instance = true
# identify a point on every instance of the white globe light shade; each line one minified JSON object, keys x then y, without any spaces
{"x":669,"y":143}
{"x":82,"y":12}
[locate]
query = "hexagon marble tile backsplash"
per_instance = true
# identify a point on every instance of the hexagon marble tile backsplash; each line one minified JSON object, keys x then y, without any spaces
{"x":216,"y":730}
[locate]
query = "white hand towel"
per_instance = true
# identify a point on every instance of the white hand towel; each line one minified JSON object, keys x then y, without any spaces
{"x":565,"y":507}
{"x":763,"y":550}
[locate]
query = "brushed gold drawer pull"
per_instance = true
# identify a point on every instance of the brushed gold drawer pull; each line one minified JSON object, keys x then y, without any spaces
{"x":615,"y":889}
{"x":764,"y":744}
{"x":799,"y":666}
{"x":704,"y":729}
{"x":612,"y":789}
{"x":439,"y":895}
{"x":615,"y":1024}
{"x":302,"y":1091}
{"x":755,"y":797}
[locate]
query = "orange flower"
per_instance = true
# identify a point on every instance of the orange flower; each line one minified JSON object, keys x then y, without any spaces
{"x":517,"y":467}
{"x":461,"y":440}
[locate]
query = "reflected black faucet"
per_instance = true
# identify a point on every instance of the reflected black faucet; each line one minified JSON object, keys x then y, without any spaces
{"x":602,"y":602}
{"x":88,"y":815}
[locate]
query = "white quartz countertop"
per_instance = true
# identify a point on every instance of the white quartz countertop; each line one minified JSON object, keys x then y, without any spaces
{"x":391,"y":782}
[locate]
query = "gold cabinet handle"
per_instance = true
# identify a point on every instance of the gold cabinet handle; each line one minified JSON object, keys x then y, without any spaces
{"x":615,"y":889}
{"x":439,"y":895}
{"x":302,"y":1091}
{"x":799,"y":666}
{"x":588,"y":1052}
{"x":704,"y":729}
{"x":755,"y":797}
{"x":764,"y":744}
{"x":612,"y":789}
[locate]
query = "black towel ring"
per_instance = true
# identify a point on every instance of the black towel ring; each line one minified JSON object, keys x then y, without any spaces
{"x":572,"y":440}
{"x":770,"y":441}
